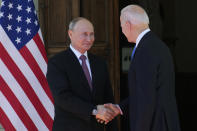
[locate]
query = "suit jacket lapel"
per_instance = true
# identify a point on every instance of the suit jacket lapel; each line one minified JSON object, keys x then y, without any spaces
{"x":93,"y":71}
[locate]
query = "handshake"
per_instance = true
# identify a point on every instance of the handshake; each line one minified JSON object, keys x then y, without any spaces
{"x":107,"y":112}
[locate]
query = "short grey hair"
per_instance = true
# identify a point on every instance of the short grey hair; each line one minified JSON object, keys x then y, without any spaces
{"x":134,"y":13}
{"x":74,"y":22}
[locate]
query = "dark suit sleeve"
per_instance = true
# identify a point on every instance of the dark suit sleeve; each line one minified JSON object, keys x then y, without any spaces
{"x":143,"y":99}
{"x":109,"y":98}
{"x":64,"y":98}
{"x":124,"y":106}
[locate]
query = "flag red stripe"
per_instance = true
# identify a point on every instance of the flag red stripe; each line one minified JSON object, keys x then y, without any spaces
{"x":40,"y":46}
{"x":26,"y":86}
{"x":36,"y":70}
{"x":6,"y":122}
{"x":16,"y":105}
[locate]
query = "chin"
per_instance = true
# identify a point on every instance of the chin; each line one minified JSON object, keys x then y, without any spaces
{"x":129,"y":40}
{"x":87,"y":48}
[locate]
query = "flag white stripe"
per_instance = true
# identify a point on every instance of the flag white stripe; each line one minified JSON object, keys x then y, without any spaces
{"x":40,"y":34}
{"x":37,"y":56}
{"x":11,"y":114}
{"x":27,"y":72}
{"x":21,"y":96}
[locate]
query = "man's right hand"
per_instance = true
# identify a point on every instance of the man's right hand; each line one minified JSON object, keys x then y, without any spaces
{"x":114,"y":107}
{"x":104,"y":114}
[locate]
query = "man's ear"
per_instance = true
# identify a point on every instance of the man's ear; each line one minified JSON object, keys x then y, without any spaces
{"x":70,"y":33}
{"x":128,"y":25}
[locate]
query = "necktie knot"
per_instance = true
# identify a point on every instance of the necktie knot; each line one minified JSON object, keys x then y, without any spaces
{"x":83,"y":57}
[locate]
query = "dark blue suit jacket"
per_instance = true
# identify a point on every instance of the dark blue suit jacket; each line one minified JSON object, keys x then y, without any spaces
{"x":74,"y":100}
{"x":151,"y":105}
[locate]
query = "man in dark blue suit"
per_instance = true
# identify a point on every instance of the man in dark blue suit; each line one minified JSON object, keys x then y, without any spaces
{"x":80,"y":84}
{"x":151,"y":105}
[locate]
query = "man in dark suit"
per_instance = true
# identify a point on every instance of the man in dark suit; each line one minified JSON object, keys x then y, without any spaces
{"x":151,"y":105}
{"x":80,"y":84}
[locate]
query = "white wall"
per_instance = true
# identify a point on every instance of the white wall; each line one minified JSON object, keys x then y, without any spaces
{"x":186,"y":30}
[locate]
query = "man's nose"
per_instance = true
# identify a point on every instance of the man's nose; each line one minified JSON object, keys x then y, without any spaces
{"x":89,"y":38}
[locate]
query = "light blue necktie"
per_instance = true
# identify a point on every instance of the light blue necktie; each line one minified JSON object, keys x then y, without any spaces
{"x":133,"y":52}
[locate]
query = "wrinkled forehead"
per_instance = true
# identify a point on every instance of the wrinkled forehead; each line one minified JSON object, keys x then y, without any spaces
{"x":84,"y":26}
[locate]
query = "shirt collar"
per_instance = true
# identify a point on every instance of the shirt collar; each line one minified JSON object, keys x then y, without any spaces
{"x":141,"y":35}
{"x":77,"y":53}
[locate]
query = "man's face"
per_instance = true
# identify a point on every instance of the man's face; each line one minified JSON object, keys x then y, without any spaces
{"x":82,"y":36}
{"x":126,"y":29}
{"x":123,"y":26}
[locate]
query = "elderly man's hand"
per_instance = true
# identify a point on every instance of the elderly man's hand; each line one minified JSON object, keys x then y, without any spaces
{"x":114,"y":107}
{"x":104,"y":115}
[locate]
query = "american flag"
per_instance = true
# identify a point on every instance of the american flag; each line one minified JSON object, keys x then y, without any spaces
{"x":26,"y":102}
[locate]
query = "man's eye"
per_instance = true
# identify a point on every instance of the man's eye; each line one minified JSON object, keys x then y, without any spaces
{"x":84,"y":34}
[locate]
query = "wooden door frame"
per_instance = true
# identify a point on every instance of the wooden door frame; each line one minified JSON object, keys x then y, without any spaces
{"x":116,"y":52}
{"x":115,"y":49}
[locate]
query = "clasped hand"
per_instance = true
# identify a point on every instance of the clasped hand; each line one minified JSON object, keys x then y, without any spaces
{"x":107,"y":112}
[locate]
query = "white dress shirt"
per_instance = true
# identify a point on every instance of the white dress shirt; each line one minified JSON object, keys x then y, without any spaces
{"x":141,"y":35}
{"x":78,"y":54}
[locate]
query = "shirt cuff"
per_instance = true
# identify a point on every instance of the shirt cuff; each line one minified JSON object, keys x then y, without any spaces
{"x":94,"y":112}
{"x":119,"y":109}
